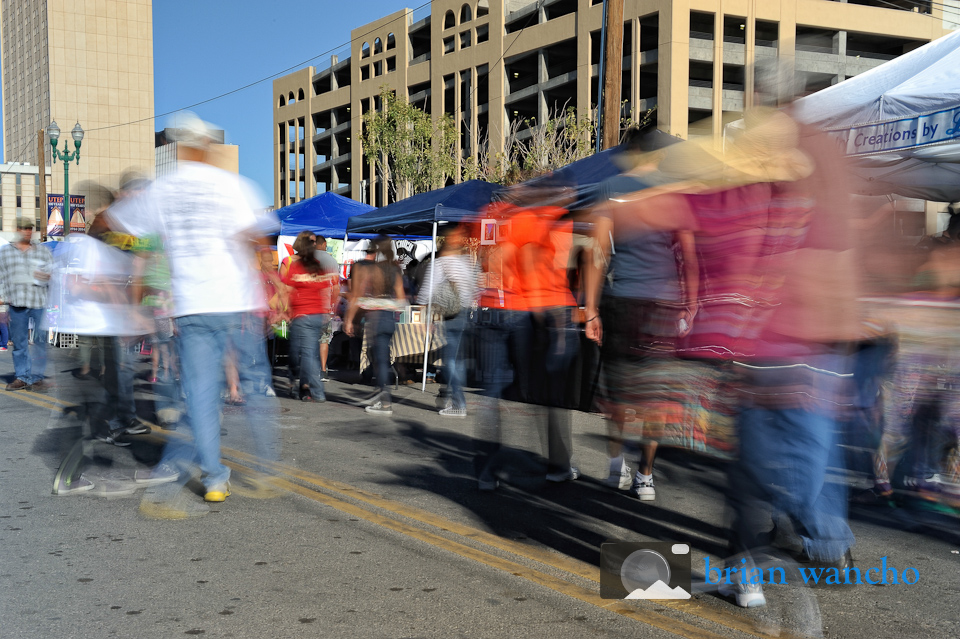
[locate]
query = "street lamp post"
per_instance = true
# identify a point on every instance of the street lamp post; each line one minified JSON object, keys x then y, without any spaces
{"x":53,"y":132}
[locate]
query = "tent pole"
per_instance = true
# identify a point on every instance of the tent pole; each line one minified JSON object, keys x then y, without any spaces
{"x":433,"y":273}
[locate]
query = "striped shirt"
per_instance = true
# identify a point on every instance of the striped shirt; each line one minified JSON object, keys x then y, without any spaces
{"x":17,"y":286}
{"x":458,"y":269}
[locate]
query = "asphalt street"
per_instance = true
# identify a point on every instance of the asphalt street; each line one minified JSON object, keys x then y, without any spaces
{"x":373,"y":527}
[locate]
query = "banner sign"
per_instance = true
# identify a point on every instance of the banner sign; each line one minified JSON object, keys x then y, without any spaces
{"x":55,"y":214}
{"x":900,"y":134}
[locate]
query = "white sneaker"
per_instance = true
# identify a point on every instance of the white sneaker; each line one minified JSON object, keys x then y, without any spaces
{"x":450,"y":411}
{"x":379,"y":409}
{"x":747,"y":595}
{"x":643,"y":490}
{"x":619,"y":480}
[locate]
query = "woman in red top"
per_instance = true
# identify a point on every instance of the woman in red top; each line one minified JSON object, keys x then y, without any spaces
{"x":310,"y":308}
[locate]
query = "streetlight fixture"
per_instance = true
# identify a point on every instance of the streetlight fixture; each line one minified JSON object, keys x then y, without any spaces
{"x":53,"y":132}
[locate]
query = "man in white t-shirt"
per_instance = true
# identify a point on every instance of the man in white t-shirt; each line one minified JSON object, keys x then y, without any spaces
{"x":206,"y":220}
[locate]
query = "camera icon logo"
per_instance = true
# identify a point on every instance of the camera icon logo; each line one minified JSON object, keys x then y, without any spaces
{"x":655,"y":570}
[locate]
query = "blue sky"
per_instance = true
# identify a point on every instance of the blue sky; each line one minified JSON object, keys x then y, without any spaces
{"x":203,"y":48}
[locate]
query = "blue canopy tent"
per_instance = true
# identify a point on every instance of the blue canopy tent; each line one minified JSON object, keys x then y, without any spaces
{"x":326,"y":214}
{"x":420,"y":215}
{"x":585,"y":175}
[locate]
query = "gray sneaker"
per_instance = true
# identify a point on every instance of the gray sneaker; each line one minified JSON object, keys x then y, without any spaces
{"x":378,"y":408}
{"x":79,"y":485}
{"x":450,"y":411}
{"x":161,"y":474}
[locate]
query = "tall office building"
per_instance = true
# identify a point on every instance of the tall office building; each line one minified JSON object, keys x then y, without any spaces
{"x":490,"y":62}
{"x":86,"y":61}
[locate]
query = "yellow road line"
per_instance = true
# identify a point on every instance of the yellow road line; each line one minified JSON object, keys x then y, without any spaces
{"x":35,"y":399}
{"x":540,"y":555}
{"x":649,"y":617}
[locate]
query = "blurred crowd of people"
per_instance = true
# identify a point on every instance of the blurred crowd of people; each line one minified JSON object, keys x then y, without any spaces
{"x":726,"y":301}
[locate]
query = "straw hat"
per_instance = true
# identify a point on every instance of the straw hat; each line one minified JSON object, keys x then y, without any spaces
{"x":767,"y":150}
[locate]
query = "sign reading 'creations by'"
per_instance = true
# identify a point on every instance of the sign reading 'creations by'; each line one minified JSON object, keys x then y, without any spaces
{"x":900,"y":134}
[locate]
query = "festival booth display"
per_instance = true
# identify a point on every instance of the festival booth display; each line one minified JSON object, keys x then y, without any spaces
{"x":899,"y":122}
{"x":419,"y":215}
{"x":326,"y":214}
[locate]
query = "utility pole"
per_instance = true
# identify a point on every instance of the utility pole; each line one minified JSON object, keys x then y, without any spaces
{"x":42,"y":166}
{"x":611,"y":74}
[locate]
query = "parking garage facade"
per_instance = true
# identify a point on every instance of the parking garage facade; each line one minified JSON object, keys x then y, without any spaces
{"x":489,"y":63}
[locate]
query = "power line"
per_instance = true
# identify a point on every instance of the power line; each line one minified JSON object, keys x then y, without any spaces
{"x":232,"y":91}
{"x":261,"y":80}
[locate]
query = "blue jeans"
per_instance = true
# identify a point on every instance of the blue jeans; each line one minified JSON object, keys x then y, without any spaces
{"x":29,"y":360}
{"x":382,"y":325}
{"x":305,"y":334}
{"x":4,"y":333}
{"x":452,"y":364}
{"x":786,"y":457}
{"x":203,"y":342}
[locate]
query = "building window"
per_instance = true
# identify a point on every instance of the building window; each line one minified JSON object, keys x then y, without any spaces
{"x":483,"y":8}
{"x":18,"y":199}
{"x":300,"y":95}
{"x":391,"y":41}
{"x":466,"y":15}
{"x":377,"y":46}
{"x":365,"y":50}
{"x":465,"y":39}
{"x":391,"y":64}
{"x":377,"y":68}
{"x":449,"y":20}
{"x":448,"y":45}
{"x":365,"y":72}
{"x":483,"y":33}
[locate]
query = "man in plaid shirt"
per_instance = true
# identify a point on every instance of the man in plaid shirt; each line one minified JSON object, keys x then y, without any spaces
{"x":25,"y":270}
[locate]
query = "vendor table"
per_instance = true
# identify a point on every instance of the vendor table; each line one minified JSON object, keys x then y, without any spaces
{"x":407,"y":344}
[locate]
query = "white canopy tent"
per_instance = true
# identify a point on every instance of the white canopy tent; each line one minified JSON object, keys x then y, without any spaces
{"x":900,"y":122}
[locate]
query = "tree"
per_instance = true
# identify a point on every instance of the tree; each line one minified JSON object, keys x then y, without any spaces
{"x":562,"y":139}
{"x":409,"y":152}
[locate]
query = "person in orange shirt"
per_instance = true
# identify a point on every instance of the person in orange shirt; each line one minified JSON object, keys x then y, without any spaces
{"x":502,"y":335}
{"x":543,"y":238}
{"x":526,"y":308}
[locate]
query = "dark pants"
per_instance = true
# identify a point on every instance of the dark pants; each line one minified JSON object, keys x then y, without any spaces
{"x":502,"y":337}
{"x":556,"y":339}
{"x":381,"y":326}
{"x":118,"y":379}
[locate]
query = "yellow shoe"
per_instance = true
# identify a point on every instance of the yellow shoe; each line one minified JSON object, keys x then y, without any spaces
{"x":218,"y":493}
